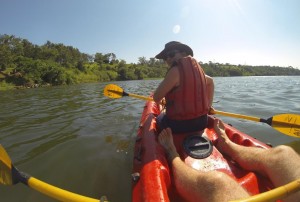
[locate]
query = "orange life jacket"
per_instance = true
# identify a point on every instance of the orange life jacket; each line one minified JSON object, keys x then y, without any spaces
{"x":189,"y":100}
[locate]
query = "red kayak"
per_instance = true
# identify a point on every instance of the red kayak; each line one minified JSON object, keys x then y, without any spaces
{"x":152,"y":179}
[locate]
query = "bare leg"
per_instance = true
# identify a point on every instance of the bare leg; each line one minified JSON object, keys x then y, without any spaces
{"x":281,"y":164}
{"x":195,"y":185}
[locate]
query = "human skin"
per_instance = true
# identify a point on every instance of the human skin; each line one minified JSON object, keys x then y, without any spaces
{"x":280,"y":164}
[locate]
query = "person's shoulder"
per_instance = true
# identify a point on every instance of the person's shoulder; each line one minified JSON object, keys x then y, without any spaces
{"x":173,"y":73}
{"x":175,"y":68}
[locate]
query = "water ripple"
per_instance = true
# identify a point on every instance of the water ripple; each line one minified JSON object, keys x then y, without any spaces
{"x":79,"y":129}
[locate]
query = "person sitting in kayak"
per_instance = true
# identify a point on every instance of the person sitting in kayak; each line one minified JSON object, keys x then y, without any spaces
{"x":187,"y":90}
{"x":281,"y":164}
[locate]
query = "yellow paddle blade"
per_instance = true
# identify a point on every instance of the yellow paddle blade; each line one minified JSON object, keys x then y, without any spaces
{"x":113,"y":91}
{"x":288,"y":124}
{"x":5,"y":167}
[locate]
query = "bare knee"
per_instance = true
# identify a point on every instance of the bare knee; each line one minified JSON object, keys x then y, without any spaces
{"x":283,"y":150}
{"x":282,"y":153}
{"x":282,"y":165}
{"x":277,"y":157}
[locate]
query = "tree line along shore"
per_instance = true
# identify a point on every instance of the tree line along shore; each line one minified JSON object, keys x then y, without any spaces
{"x":26,"y":65}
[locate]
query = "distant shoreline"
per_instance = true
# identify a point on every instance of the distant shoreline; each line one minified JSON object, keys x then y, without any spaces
{"x":26,"y":65}
{"x":6,"y":87}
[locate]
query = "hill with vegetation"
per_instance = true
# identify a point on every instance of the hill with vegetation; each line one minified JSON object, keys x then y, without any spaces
{"x":23,"y":64}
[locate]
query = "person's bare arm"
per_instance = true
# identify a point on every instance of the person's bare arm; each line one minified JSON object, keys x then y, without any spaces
{"x":210,"y":89}
{"x":171,"y":80}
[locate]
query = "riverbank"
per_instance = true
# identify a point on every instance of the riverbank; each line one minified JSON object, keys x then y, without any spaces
{"x":6,"y":86}
{"x":77,"y":78}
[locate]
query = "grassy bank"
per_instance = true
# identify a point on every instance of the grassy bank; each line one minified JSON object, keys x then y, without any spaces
{"x":6,"y":86}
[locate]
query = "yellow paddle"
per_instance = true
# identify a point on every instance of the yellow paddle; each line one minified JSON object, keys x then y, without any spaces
{"x":9,"y":175}
{"x":288,"y":124}
{"x":114,"y":91}
{"x":274,"y":194}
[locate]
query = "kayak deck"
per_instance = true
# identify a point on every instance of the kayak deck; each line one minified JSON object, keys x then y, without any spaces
{"x":152,"y":179}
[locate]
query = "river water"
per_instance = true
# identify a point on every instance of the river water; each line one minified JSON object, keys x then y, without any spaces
{"x":75,"y":138}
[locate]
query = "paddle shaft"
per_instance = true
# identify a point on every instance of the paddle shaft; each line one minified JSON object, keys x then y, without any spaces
{"x":287,"y":124}
{"x":139,"y":96}
{"x":47,"y":189}
{"x":274,"y":194}
{"x":130,"y":95}
{"x":57,"y":193}
{"x":268,"y":121}
{"x":251,"y":118}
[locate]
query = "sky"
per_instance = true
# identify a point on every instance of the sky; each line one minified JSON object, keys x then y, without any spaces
{"x":246,"y":32}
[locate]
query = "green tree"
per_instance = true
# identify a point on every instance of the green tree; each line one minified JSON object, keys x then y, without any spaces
{"x":142,"y":61}
{"x":99,"y":58}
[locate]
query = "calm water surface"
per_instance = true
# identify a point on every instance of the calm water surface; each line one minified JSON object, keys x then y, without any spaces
{"x":75,"y":138}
